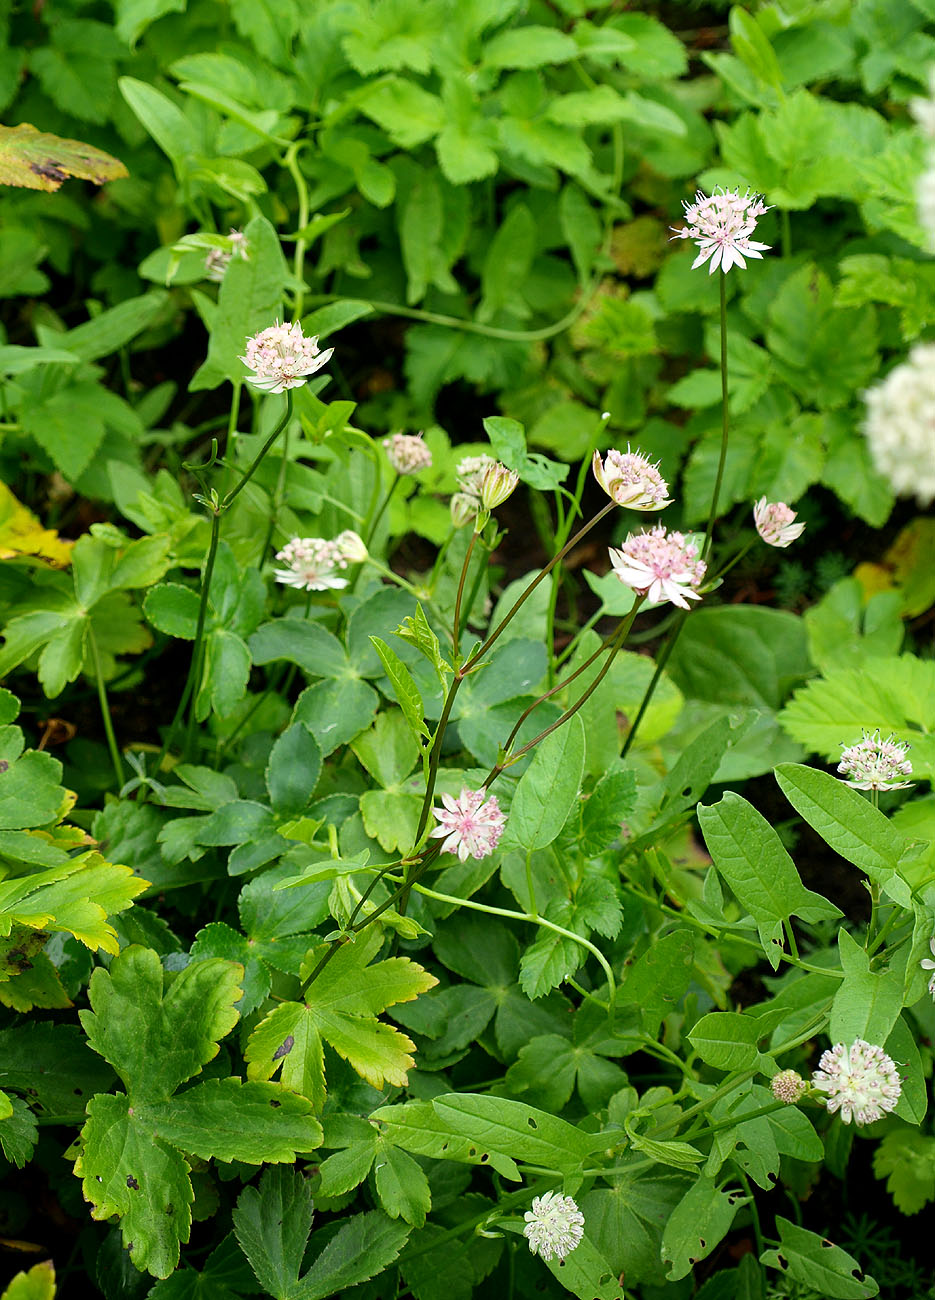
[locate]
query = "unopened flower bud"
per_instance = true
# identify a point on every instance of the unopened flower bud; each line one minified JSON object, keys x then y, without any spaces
{"x":351,"y":547}
{"x":464,"y":508}
{"x":499,"y":483}
{"x":788,"y":1086}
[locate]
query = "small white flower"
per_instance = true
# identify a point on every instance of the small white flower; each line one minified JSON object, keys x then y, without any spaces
{"x":721,"y":225}
{"x":875,"y":764}
{"x":630,"y":480}
{"x":469,"y":825}
{"x":498,"y":484}
{"x":788,"y":1086}
{"x":660,"y":565}
{"x":927,"y":964}
{"x":861,"y":1081}
{"x":900,"y":422}
{"x":407,"y":453}
{"x":774,"y":523}
{"x":554,"y":1225}
{"x":351,"y":546}
{"x":471,"y":471}
{"x":282,"y":358}
{"x":314,"y":564}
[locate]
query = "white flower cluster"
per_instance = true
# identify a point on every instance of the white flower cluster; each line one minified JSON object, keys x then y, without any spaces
{"x":875,"y":764}
{"x":217,"y":260}
{"x":407,"y":453}
{"x":721,"y":225}
{"x":484,"y":484}
{"x":900,"y":425}
{"x":315,"y":564}
{"x":861,"y":1081}
{"x":282,"y":358}
{"x":923,"y":110}
{"x":554,"y":1225}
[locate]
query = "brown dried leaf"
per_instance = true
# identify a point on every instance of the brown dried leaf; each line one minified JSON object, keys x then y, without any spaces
{"x":35,"y":160}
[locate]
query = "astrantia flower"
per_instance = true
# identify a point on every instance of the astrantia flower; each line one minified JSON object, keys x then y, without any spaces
{"x":721,"y":226}
{"x":217,"y":260}
{"x":788,"y":1086}
{"x":630,"y":480}
{"x":314,"y":564}
{"x":351,"y":546}
{"x":900,"y":424}
{"x":774,"y":523}
{"x":464,"y":508}
{"x":876,"y":764}
{"x":407,"y":453}
{"x":283,"y":358}
{"x":554,"y":1225}
{"x":498,"y":484}
{"x":861,"y":1081}
{"x":471,"y":471}
{"x":472,"y":824}
{"x":928,"y":964}
{"x":660,"y":565}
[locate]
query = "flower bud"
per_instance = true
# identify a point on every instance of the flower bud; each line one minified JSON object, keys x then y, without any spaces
{"x":464,"y":508}
{"x":351,"y":547}
{"x":499,"y":483}
{"x":630,"y":480}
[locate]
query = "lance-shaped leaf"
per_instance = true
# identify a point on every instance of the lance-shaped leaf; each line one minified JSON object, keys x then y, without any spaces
{"x":341,"y":1008}
{"x":818,"y":1264}
{"x":155,"y":1038}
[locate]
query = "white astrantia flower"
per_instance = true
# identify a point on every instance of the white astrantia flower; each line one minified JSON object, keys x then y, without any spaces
{"x":788,"y":1086}
{"x":775,"y":523}
{"x":351,"y":546}
{"x":660,"y":565}
{"x":470,"y":825}
{"x":861,"y":1081}
{"x":875,"y":764}
{"x":554,"y":1225}
{"x":721,"y":225}
{"x":630,"y":480}
{"x":900,"y":425}
{"x":314,"y":564}
{"x":471,"y":471}
{"x":407,"y":453}
{"x":927,"y":964}
{"x":282,"y":358}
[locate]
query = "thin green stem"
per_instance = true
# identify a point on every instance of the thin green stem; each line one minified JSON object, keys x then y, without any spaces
{"x":661,"y":662}
{"x":298,"y":261}
{"x":235,"y":492}
{"x":371,"y":531}
{"x":105,"y":707}
{"x":512,"y":915}
{"x":198,"y":649}
{"x":786,"y":236}
{"x":456,"y":621}
{"x":392,"y":577}
{"x":725,"y":423}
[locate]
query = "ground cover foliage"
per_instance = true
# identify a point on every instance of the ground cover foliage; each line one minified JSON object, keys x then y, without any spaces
{"x":290,"y":1005}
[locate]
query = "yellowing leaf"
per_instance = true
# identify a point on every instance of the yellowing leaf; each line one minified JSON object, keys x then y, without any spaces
{"x":36,"y":160}
{"x":22,"y":535}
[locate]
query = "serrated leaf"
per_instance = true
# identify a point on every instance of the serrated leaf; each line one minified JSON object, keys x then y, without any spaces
{"x":404,"y":688}
{"x":18,"y":1133}
{"x":417,"y":1127}
{"x":272,"y":1223}
{"x":401,"y":1185}
{"x":548,"y":789}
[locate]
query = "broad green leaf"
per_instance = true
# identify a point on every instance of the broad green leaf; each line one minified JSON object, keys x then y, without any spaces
{"x":218,"y":940}
{"x":848,"y":823}
{"x":697,"y":1226}
{"x":868,"y":1003}
{"x":129,"y":1171}
{"x":816,"y":1263}
{"x":312,"y":647}
{"x":548,"y":789}
{"x":37,"y":160}
{"x":272,"y":1223}
{"x":114,"y":328}
{"x":586,"y":1273}
{"x":906,"y":1160}
{"x":228,"y":1120}
{"x":529,"y":46}
{"x":18,"y":1133}
{"x":336,"y":711}
{"x":388,"y":750}
{"x":515,"y":1129}
{"x":903,"y":1047}
{"x":134,"y":16}
{"x":293,"y":771}
{"x":740,"y":654}
{"x":626,"y":1221}
{"x":657,"y":980}
{"x":402,"y":1186}
{"x":172,"y":609}
{"x":76,"y":896}
{"x":52,"y":1064}
{"x":507,"y":265}
{"x":728,"y":1040}
{"x":417,"y":1127}
{"x":36,"y":1284}
{"x":362,"y":1247}
{"x":166,"y":123}
{"x":156,"y":1039}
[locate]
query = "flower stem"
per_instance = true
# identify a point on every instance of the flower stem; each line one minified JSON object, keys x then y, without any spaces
{"x":105,"y":708}
{"x":654,"y":681}
{"x":456,"y":622}
{"x":725,"y":423}
{"x":371,"y":531}
{"x":235,"y":492}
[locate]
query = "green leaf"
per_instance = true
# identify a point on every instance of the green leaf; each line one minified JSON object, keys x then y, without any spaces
{"x":156,"y":1039}
{"x":336,"y":711}
{"x":362,"y":1247}
{"x":515,"y":1129}
{"x":301,"y":642}
{"x":388,"y":750}
{"x":849,"y":823}
{"x":752,"y":47}
{"x":868,"y":1003}
{"x":172,"y":609}
{"x":660,"y":977}
{"x":814,"y":1262}
{"x":508,"y":439}
{"x":698,"y":1225}
{"x":907,"y":1161}
{"x":52,"y":1064}
{"x":738,"y":654}
{"x":529,"y":46}
{"x":507,"y":264}
{"x":417,"y":1127}
{"x":18,"y":1134}
{"x":407,"y":113}
{"x":728,"y":1041}
{"x":114,"y":328}
{"x":228,"y":1120}
{"x":586,"y":1273}
{"x":404,"y":688}
{"x":750,"y":856}
{"x":402,"y":1186}
{"x":293,"y":771}
{"x":548,"y":789}
{"x":134,"y":16}
{"x":611,"y":801}
{"x":163,"y":120}
{"x":128,"y":1171}
{"x":37,"y":1284}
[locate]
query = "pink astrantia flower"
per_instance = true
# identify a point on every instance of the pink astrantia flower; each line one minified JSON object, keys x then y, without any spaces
{"x":282,"y":358}
{"x":407,"y":453}
{"x":314,"y":564}
{"x":721,"y":225}
{"x":630,"y":480}
{"x":927,"y":964}
{"x":861,"y":1081}
{"x":554,"y":1225}
{"x":774,"y":523}
{"x":876,"y":764}
{"x":660,"y":565}
{"x":472,"y":824}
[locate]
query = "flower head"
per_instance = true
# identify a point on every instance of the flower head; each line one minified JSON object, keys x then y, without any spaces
{"x":498,"y":484}
{"x":471,"y":824}
{"x":861,"y":1081}
{"x":554,"y":1225}
{"x":630,"y":480}
{"x":407,"y":453}
{"x":351,"y":546}
{"x":464,"y":508}
{"x":314,"y":564}
{"x":788,"y":1086}
{"x":927,"y":964}
{"x":217,"y":260}
{"x":471,"y":471}
{"x":774,"y":523}
{"x":721,"y":225}
{"x":282,"y":358}
{"x":875,"y":764}
{"x":660,"y":565}
{"x":900,"y":423}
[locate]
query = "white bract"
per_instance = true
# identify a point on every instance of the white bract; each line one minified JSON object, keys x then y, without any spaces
{"x":554,"y":1225}
{"x":314,"y":564}
{"x":629,"y":479}
{"x":775,"y":523}
{"x":927,"y":964}
{"x":470,"y":825}
{"x":721,"y":225}
{"x":661,"y":566}
{"x":282,"y":357}
{"x":861,"y":1081}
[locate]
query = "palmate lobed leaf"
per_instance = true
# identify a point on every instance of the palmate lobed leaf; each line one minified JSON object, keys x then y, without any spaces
{"x":76,"y":897}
